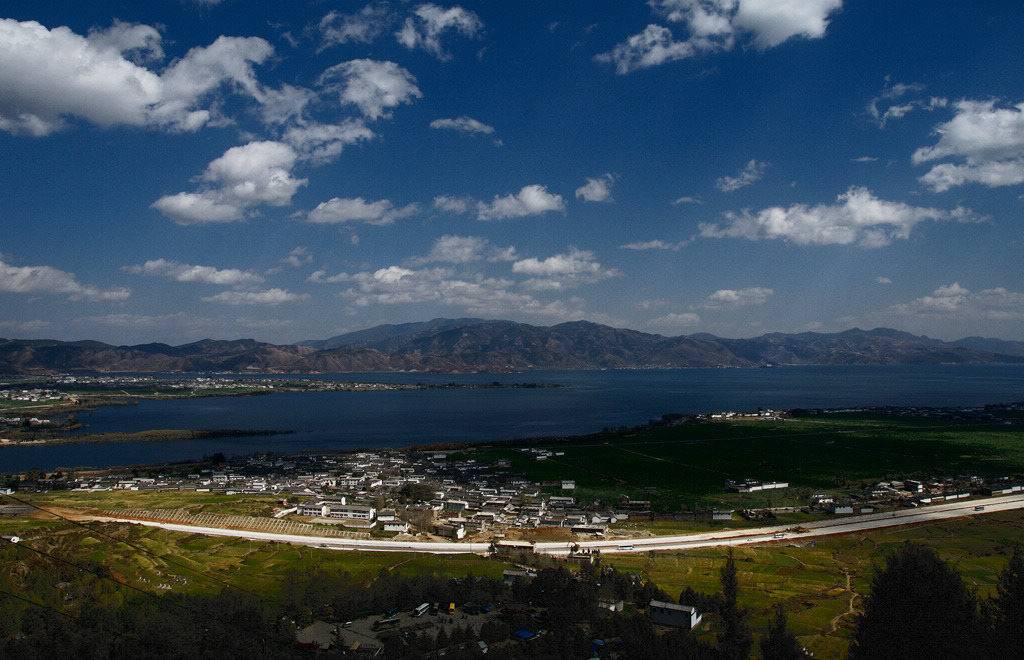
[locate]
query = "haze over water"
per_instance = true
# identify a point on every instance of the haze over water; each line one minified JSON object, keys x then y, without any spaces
{"x":589,"y":402}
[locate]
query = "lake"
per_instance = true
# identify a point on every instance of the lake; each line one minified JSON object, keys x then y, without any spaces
{"x":588,"y":402}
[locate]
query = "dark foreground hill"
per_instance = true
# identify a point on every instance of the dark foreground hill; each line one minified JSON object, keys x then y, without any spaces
{"x":446,"y":345}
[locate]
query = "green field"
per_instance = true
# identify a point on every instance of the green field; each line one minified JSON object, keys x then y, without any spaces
{"x":809,"y":580}
{"x":689,"y":464}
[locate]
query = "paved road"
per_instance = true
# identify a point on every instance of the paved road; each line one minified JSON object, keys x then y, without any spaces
{"x":775,"y":533}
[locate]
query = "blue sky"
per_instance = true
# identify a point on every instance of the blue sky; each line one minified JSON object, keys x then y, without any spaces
{"x":285,"y":171}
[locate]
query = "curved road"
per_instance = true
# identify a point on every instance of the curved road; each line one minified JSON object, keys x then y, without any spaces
{"x":775,"y":533}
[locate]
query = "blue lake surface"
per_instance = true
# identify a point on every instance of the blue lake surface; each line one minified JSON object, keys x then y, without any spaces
{"x":588,"y":402}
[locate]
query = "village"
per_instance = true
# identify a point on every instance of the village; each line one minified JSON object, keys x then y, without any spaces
{"x":445,"y":496}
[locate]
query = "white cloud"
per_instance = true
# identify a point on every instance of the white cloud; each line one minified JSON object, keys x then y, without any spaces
{"x":363,"y":26}
{"x":322,"y":143}
{"x":338,"y":210}
{"x":177,"y":320}
{"x":244,"y":177}
{"x":321,"y":277}
{"x":463,"y":125}
{"x":674,"y":322}
{"x":773,"y":22}
{"x":998,"y":304}
{"x":429,"y":22}
{"x":654,"y":46}
{"x":686,"y":199}
{"x":267,"y":297}
{"x":204,"y":69}
{"x":728,"y":298}
{"x":298,"y":257}
{"x":562,"y":271}
{"x":858,"y":217}
{"x":371,"y":85}
{"x":865,"y":159}
{"x":656,"y":244}
{"x":452,"y":204}
{"x":886,"y":106}
{"x":280,"y":106}
{"x":530,"y":200}
{"x":712,"y":25}
{"x":465,"y":249}
{"x":751,"y":173}
{"x":987,"y":142}
{"x":51,"y":281}
{"x":883,"y":280}
{"x":138,"y":43}
{"x":180,"y":272}
{"x":39,"y":87}
{"x":597,"y":189}
{"x":198,"y":208}
{"x":476,"y":295}
{"x":35,"y":325}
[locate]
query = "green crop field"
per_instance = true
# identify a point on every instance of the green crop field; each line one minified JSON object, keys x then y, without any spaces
{"x":811,"y":580}
{"x":689,"y":464}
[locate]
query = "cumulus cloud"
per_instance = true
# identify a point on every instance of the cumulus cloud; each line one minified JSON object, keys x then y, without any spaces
{"x":892,"y":104}
{"x":598,"y":189}
{"x":322,"y":143}
{"x":463,"y":125}
{"x":177,"y":320}
{"x":244,"y":177}
{"x":371,"y":85}
{"x":428,"y":22}
{"x":48,"y":76}
{"x":686,"y":199}
{"x":338,"y":210}
{"x":51,"y":281}
{"x":476,"y":295}
{"x":654,"y":46}
{"x":675,"y":322}
{"x":465,"y":249}
{"x":180,"y":272}
{"x":270,"y":297}
{"x":38,"y":88}
{"x":363,"y":26}
{"x":562,"y":271}
{"x":28,"y":327}
{"x":883,"y":280}
{"x":656,"y":244}
{"x":298,"y":257}
{"x":712,"y":25}
{"x":452,"y":204}
{"x":998,"y":304}
{"x":986,"y":143}
{"x":530,"y":200}
{"x":857,"y":217}
{"x":752,"y":172}
{"x":728,"y":298}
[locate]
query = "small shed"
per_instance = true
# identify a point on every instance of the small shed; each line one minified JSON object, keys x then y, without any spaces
{"x":670,"y":614}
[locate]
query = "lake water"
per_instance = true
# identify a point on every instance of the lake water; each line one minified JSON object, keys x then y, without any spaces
{"x":588,"y":402}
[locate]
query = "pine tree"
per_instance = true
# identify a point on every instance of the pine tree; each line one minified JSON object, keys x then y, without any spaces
{"x":735,"y":639}
{"x":780,"y":643}
{"x":1008,"y":607}
{"x":918,"y":607}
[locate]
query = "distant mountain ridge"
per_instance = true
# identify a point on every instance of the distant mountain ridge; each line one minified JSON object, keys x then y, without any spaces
{"x":454,"y":345}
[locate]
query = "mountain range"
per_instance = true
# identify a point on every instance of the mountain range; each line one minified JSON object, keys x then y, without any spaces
{"x":463,"y":345}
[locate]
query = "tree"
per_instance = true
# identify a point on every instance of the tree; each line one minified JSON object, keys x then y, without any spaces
{"x":918,"y":607}
{"x":779,"y":643}
{"x":735,"y":639}
{"x":1008,"y":606}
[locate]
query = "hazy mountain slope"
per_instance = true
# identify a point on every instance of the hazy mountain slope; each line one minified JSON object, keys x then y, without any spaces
{"x":450,"y":345}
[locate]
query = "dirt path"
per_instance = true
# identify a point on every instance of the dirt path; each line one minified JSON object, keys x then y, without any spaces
{"x":850,"y":610}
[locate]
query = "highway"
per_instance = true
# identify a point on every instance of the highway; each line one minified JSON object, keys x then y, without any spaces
{"x":768,"y":534}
